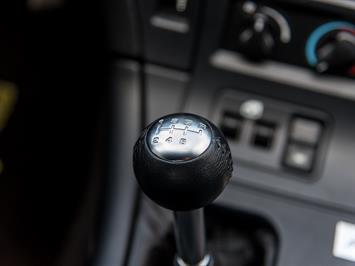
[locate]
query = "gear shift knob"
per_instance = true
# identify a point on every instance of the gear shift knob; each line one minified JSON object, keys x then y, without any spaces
{"x":182,"y":162}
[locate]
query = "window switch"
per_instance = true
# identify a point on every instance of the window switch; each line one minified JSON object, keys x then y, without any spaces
{"x":263,"y":135}
{"x":299,"y":157}
{"x":231,"y":125}
{"x":306,"y":131}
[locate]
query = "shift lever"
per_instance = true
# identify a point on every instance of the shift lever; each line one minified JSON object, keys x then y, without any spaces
{"x":183,"y":162}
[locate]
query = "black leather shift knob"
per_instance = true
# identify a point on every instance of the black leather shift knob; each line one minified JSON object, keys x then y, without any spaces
{"x":182,"y":162}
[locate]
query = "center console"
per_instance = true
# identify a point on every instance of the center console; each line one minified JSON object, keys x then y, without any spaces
{"x":277,"y":77}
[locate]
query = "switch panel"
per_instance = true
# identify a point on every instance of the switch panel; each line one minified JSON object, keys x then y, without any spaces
{"x":283,"y":137}
{"x":304,"y":138}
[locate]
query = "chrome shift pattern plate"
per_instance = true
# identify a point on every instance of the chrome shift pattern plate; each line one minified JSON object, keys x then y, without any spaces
{"x":180,"y":137}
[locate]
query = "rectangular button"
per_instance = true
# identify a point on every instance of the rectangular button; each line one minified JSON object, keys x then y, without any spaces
{"x":231,"y":125}
{"x":306,"y":131}
{"x":263,"y":135}
{"x":299,"y":157}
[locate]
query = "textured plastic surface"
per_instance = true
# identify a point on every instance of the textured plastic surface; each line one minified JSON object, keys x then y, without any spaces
{"x":120,"y":194}
{"x":184,"y":185}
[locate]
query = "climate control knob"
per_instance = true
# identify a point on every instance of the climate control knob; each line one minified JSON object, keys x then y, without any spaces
{"x":258,"y":39}
{"x":331,"y":48}
{"x":336,"y":54}
{"x":262,"y":30}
